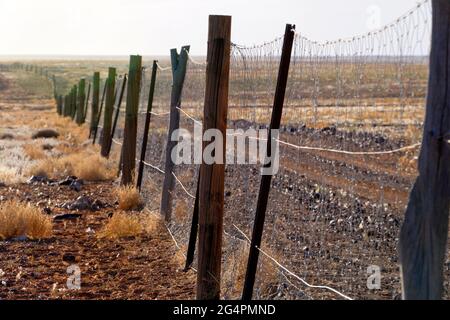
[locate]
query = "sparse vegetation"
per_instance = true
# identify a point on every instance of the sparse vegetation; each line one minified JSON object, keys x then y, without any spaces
{"x":23,"y":220}
{"x":84,"y":165}
{"x":34,"y":151}
{"x":122,"y":225}
{"x":129,"y":198}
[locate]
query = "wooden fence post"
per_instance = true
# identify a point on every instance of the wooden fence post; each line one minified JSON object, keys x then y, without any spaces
{"x":147,"y":125}
{"x":95,"y":101}
{"x":99,"y":112}
{"x":179,"y":62}
{"x":107,"y":116}
{"x":59,"y":104}
{"x":116,"y":116}
{"x":66,"y":106}
{"x":81,"y":101}
{"x":264,"y":190}
{"x":86,"y":102}
{"x":190,"y":254}
{"x":131,"y":113}
{"x":212,"y":177}
{"x":424,"y":233}
{"x":74,"y":101}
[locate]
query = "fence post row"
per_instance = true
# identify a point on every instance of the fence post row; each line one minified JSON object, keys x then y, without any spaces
{"x":95,"y":101}
{"x":107,"y":117}
{"x":81,"y":101}
{"x":212,"y":177}
{"x":179,"y":63}
{"x":424,"y":233}
{"x":148,"y":117}
{"x":100,"y":112}
{"x":132,"y":108}
{"x":264,"y":190}
{"x":116,"y":116}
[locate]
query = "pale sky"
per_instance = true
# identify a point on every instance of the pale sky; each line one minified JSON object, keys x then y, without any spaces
{"x":152,"y":27}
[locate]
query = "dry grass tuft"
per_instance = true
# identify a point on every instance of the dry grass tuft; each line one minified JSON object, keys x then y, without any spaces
{"x":18,"y":219}
{"x":129,"y":198}
{"x":34,"y":151}
{"x":121,"y":225}
{"x":85,"y":165}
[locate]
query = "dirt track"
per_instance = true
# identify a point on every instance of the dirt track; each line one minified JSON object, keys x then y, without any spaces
{"x":145,"y":267}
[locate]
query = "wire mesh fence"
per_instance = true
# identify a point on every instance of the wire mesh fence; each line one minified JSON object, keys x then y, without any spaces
{"x":351,"y":128}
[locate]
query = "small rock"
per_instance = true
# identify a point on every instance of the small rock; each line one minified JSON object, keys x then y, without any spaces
{"x":45,"y":134}
{"x":37,"y":179}
{"x":47,"y":210}
{"x":20,"y":238}
{"x":66,"y":216}
{"x":67,"y":181}
{"x":76,"y":185}
{"x":47,"y":147}
{"x":69,"y":257}
{"x":6,"y":136}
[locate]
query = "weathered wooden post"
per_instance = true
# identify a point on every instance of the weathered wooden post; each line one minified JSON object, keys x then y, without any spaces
{"x":264,"y":190}
{"x":95,"y":101}
{"x":424,"y":233}
{"x":55,"y":94}
{"x":86,"y":102}
{"x":59,"y":104}
{"x":131,"y":112}
{"x":147,"y":125}
{"x":74,"y":101}
{"x":107,"y":116}
{"x":81,"y":101}
{"x":100,"y":112}
{"x":179,"y":62}
{"x":190,"y":254}
{"x":66,"y":108}
{"x":116,"y":116}
{"x":212,"y":178}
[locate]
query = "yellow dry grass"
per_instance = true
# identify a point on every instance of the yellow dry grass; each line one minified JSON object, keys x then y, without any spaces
{"x":121,"y":225}
{"x":129,"y":198}
{"x":19,"y":219}
{"x":34,"y":151}
{"x":85,"y":165}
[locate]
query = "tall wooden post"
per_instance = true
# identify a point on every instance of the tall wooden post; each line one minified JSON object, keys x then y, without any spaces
{"x":66,"y":106}
{"x":190,"y":254}
{"x":179,"y":62}
{"x":148,"y":117}
{"x":74,"y":101}
{"x":86,"y":102}
{"x":100,"y":112}
{"x":95,"y":101}
{"x":424,"y":233}
{"x":81,"y":101}
{"x":60,"y":103}
{"x":119,"y":104}
{"x":131,"y":113}
{"x":264,"y":190}
{"x":107,"y":116}
{"x":212,"y":178}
